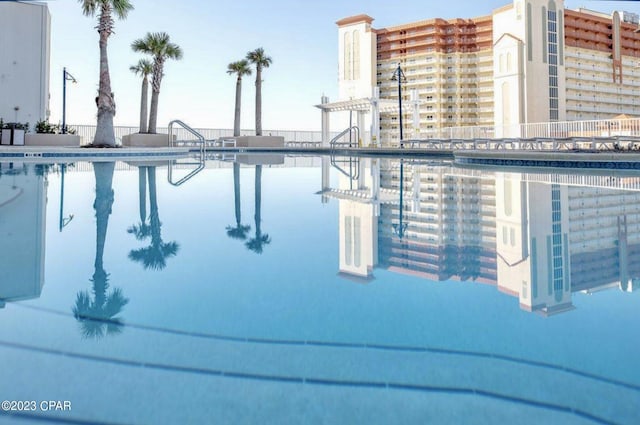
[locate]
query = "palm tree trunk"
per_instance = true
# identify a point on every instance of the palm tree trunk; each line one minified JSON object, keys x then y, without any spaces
{"x":142,"y":193}
{"x":258,"y":100}
{"x":103,"y":172}
{"x":236,"y":191}
{"x":258,"y":200}
{"x":105,"y":102}
{"x":154,"y":218}
{"x":236,"y":118}
{"x":155,"y":93}
{"x":143,"y":104}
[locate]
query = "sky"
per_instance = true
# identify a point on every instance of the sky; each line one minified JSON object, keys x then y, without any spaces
{"x":300,"y":37}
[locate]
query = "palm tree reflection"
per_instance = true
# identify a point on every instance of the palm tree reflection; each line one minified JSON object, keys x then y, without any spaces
{"x":97,"y":315}
{"x":155,"y":255}
{"x":141,"y":230}
{"x":257,"y":243}
{"x":240,"y":230}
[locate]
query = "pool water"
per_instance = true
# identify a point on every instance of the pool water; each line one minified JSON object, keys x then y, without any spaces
{"x":318,"y":290}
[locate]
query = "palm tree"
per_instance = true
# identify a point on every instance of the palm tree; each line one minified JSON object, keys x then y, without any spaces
{"x":105,"y":101}
{"x":259,"y":240}
{"x":97,"y":316}
{"x":143,"y":68}
{"x":154,"y":256}
{"x":240,"y":68}
{"x":156,"y":44}
{"x":240,"y":231}
{"x":141,"y":230}
{"x":260,"y":60}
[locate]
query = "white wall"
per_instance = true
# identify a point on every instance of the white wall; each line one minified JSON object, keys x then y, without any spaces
{"x":24,"y":61}
{"x":22,"y":232}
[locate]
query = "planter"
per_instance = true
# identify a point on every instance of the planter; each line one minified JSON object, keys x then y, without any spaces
{"x":143,"y":140}
{"x":12,"y":136}
{"x":260,"y":159}
{"x":259,"y":141}
{"x":42,"y":139}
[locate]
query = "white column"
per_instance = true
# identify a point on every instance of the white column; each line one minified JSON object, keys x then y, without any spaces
{"x":375,"y":117}
{"x":361,"y":130}
{"x":375,"y":186}
{"x":326,"y":135}
{"x":415,"y":101}
{"x":325,"y":178}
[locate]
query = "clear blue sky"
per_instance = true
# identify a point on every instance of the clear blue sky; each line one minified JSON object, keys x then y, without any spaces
{"x":300,"y":36}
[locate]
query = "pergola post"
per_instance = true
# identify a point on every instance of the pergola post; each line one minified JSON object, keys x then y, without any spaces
{"x":326,"y":135}
{"x":375,"y":117}
{"x":361,"y":130}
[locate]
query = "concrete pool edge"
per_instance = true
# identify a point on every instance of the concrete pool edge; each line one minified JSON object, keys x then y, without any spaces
{"x":509,"y":158}
{"x":39,"y":153}
{"x":556,"y":159}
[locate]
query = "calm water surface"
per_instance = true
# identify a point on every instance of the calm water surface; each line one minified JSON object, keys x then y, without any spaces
{"x":318,"y":290}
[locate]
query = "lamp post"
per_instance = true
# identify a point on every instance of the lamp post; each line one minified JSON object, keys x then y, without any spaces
{"x":65,"y":77}
{"x":399,"y":76}
{"x":400,"y":227}
{"x":63,"y":220}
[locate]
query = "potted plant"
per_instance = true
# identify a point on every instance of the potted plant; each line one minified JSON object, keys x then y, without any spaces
{"x":47,"y":134}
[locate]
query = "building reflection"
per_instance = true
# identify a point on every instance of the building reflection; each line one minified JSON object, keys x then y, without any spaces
{"x":555,"y":238}
{"x":23,"y":198}
{"x":538,"y":237}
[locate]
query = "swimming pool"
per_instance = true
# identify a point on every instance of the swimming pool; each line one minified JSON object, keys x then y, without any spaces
{"x":318,"y":290}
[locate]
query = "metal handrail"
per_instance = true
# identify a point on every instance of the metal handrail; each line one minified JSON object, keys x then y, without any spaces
{"x":199,"y":136}
{"x":201,"y":161}
{"x":334,"y":141}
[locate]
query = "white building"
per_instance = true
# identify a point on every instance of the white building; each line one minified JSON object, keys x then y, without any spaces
{"x":25,"y":33}
{"x":530,"y":61}
{"x":23,"y":201}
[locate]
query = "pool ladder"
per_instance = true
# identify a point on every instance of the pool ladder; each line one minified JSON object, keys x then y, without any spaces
{"x":201,"y":159}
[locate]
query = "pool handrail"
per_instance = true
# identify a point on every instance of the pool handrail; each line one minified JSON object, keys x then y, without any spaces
{"x":199,"y":136}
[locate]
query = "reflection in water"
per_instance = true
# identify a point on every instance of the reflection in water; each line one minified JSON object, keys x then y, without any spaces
{"x":141,"y":230}
{"x":23,"y":198}
{"x":97,"y":315}
{"x":259,"y":240}
{"x":538,"y":237}
{"x":240,"y":230}
{"x":155,"y":255}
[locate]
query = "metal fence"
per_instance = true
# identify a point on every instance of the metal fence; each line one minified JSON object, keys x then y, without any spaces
{"x":559,"y":130}
{"x":87,"y":133}
{"x":613,"y":128}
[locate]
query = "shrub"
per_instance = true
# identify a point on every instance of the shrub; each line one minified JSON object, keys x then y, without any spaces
{"x":43,"y":127}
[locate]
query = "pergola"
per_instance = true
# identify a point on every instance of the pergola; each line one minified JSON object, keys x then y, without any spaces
{"x":373,"y":105}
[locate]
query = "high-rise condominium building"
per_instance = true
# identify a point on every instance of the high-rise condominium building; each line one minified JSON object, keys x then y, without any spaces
{"x":25,"y":33}
{"x":527,"y":62}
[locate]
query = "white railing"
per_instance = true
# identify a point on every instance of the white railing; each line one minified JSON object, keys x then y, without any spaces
{"x":548,"y":130}
{"x":87,"y":133}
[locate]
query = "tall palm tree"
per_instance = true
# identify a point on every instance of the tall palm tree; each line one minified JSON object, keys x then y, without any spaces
{"x":141,"y":230}
{"x":144,"y":68}
{"x":98,"y":316}
{"x":154,"y":256}
{"x":158,"y":45}
{"x":105,"y":102}
{"x":257,"y":243}
{"x":240,"y":68}
{"x":240,"y":230}
{"x":260,"y":60}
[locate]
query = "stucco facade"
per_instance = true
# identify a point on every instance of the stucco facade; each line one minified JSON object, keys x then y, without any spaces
{"x":25,"y":32}
{"x":529,"y":61}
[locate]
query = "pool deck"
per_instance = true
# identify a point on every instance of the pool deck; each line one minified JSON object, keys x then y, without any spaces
{"x":47,"y":153}
{"x":509,"y":157}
